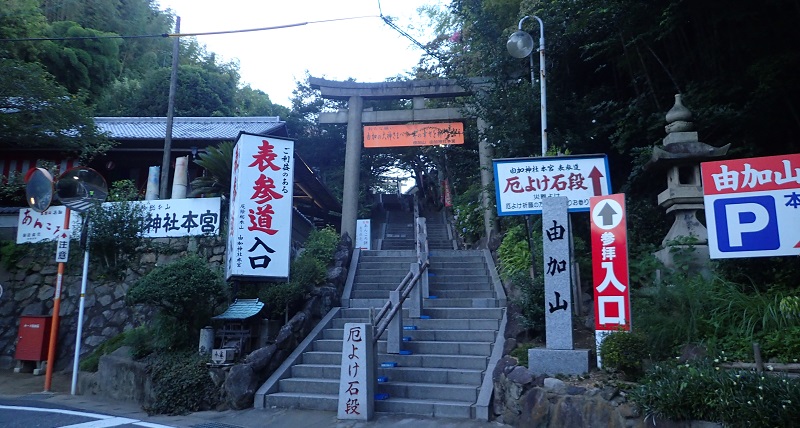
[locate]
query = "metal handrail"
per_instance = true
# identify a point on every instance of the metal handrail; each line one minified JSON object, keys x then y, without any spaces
{"x":412,"y":278}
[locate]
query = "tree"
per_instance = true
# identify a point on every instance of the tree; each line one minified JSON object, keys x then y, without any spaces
{"x":37,"y":112}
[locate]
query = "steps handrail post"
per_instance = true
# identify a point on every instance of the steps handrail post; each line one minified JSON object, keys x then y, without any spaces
{"x":394,"y":335}
{"x":415,"y":297}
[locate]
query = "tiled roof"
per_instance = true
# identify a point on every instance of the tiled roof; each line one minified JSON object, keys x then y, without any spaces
{"x":241,"y":309}
{"x":189,"y":128}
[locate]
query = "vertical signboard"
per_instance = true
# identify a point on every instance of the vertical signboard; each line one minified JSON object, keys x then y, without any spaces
{"x":363,"y":234}
{"x":612,"y":308}
{"x":260,"y":235}
{"x":557,"y":315}
{"x":356,"y":376}
{"x":753,"y":206}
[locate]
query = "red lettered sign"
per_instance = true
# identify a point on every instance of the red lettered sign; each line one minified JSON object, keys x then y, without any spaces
{"x":609,"y":237}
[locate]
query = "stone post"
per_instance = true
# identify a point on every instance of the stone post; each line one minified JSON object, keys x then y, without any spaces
{"x":352,"y":166}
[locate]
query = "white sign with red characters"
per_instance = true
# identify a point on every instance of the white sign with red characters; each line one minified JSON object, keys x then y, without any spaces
{"x":753,"y":206}
{"x":34,"y":226}
{"x":609,"y":237}
{"x":521,"y":184}
{"x":260,"y":228}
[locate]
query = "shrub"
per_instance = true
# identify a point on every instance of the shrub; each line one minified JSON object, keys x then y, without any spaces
{"x":624,"y":351}
{"x":469,"y":213}
{"x":321,"y":244}
{"x":115,"y":232}
{"x":91,"y":362}
{"x":530,"y":301}
{"x":181,"y":384}
{"x":514,"y":253}
{"x":702,"y":391}
{"x":187,"y":292}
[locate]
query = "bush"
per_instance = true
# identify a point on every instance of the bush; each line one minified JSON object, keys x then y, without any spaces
{"x":187,"y":292}
{"x":321,"y":244}
{"x":91,"y":362}
{"x":514,"y":254}
{"x":181,"y":384}
{"x":704,"y":392}
{"x":530,"y":301}
{"x":624,"y":351}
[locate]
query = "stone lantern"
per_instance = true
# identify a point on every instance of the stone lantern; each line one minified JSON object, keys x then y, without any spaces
{"x":681,"y":155}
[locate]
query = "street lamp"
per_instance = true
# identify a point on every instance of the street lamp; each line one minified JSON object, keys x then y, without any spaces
{"x":520,"y":45}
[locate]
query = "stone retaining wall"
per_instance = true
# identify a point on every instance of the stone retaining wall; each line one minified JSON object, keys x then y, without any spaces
{"x":29,"y":287}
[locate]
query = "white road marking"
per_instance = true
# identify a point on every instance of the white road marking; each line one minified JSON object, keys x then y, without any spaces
{"x":105,"y":420}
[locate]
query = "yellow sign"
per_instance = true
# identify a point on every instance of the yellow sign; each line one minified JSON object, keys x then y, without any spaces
{"x":422,"y":134}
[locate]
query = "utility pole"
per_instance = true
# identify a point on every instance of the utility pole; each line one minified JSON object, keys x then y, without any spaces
{"x":173,"y":81}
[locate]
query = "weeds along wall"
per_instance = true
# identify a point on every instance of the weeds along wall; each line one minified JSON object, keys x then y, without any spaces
{"x":28,"y":276}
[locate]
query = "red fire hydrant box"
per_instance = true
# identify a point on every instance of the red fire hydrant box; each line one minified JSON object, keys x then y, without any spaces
{"x":33,"y":338}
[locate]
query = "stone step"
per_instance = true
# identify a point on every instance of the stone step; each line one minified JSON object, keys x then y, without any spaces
{"x":416,"y":346}
{"x":431,"y":408}
{"x":313,"y":386}
{"x":294,"y":400}
{"x":465,"y":270}
{"x":396,"y":374}
{"x":391,"y":285}
{"x":429,"y":391}
{"x":432,"y":324}
{"x":449,"y":278}
{"x":460,"y":303}
{"x":429,"y":335}
{"x":469,"y":362}
{"x":385,"y":263}
{"x":451,"y":293}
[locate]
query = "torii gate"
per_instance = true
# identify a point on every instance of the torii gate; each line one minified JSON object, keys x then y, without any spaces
{"x":417,"y":90}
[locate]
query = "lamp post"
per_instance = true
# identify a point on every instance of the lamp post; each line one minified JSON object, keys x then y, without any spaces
{"x":520,"y":45}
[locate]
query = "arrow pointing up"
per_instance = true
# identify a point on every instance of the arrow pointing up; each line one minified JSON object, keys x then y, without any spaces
{"x":596,"y":175}
{"x":607,"y":213}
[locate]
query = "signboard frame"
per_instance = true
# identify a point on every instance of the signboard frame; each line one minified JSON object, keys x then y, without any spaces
{"x":752,"y":206}
{"x":522,"y":183}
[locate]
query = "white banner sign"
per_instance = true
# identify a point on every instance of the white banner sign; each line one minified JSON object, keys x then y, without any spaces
{"x":167,"y":218}
{"x":260,"y":236}
{"x":35,"y":227}
{"x":171,"y":218}
{"x":363,"y":234}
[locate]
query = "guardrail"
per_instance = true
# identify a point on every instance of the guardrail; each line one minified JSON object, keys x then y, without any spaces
{"x":414,"y":285}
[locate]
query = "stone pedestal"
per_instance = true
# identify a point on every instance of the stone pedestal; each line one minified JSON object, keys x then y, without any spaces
{"x":543,"y":361}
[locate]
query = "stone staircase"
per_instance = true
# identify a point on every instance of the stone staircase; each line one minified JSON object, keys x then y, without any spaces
{"x":452,"y":347}
{"x":399,"y":231}
{"x":439,"y":233}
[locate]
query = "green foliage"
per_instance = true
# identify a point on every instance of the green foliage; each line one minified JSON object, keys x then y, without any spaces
{"x":90,"y":362}
{"x":187,"y":292}
{"x":115,"y":229}
{"x":624,"y":351}
{"x":217,"y":164}
{"x":530,"y":300}
{"x":521,"y":353}
{"x":514,"y":253}
{"x":181,"y":384}
{"x":11,"y":253}
{"x":278,"y":297}
{"x":705,"y":392}
{"x":469,"y":214}
{"x":321,"y":244}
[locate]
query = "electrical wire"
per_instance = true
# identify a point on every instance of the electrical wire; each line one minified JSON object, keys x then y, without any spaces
{"x":165,"y":35}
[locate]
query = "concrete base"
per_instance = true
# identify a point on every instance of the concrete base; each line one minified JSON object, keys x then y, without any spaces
{"x":558,"y":361}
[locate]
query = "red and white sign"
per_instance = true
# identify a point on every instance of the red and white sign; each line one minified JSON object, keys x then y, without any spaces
{"x":753,"y":206}
{"x":260,"y":228}
{"x":35,"y":227}
{"x":609,"y":237}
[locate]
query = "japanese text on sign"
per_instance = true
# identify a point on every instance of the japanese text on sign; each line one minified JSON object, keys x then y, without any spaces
{"x":555,"y":230}
{"x":522,"y":184}
{"x":426,"y":134}
{"x":259,"y":242}
{"x":354,"y":382}
{"x":610,"y":263}
{"x":753,"y":206}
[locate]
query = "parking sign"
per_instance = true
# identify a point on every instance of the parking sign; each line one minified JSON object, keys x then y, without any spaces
{"x":753,"y":206}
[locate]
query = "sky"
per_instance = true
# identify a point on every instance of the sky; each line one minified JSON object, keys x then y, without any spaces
{"x":365,"y":49}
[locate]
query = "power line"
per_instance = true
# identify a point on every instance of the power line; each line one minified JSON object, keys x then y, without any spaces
{"x":165,"y":35}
